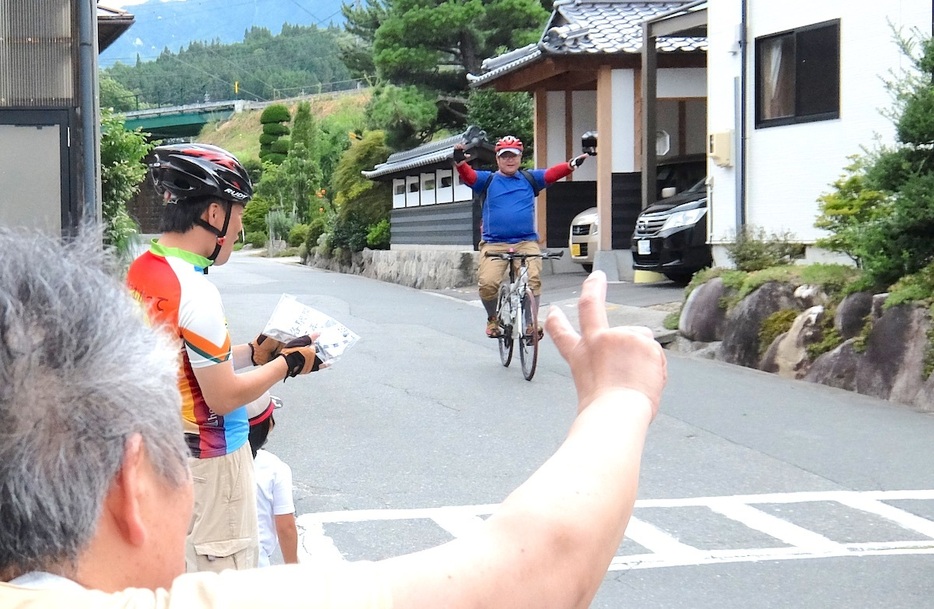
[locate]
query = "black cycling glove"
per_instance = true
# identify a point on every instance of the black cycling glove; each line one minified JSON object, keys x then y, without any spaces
{"x":577,"y":161}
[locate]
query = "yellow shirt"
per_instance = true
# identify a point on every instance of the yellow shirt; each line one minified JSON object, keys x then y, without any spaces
{"x":339,"y":586}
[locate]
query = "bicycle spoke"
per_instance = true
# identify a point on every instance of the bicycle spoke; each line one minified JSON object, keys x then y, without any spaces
{"x":503,"y":312}
{"x":528,"y":343}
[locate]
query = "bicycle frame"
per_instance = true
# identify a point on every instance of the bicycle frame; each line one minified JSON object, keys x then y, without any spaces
{"x":517,"y":310}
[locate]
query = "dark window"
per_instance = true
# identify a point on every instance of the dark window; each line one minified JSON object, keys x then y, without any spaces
{"x":413,"y":186}
{"x":446,"y":181}
{"x":400,"y":188}
{"x":798,"y":75}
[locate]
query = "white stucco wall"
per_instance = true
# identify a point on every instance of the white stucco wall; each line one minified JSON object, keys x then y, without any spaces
{"x":624,"y":127}
{"x":789,"y":167}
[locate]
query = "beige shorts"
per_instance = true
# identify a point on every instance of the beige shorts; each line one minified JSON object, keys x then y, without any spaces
{"x":224,"y":529}
{"x":491,"y":270}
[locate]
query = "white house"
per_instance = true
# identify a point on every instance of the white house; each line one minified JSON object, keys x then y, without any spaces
{"x":791,"y":99}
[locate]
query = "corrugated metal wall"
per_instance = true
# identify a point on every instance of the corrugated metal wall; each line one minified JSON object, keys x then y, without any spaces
{"x":37,"y":46}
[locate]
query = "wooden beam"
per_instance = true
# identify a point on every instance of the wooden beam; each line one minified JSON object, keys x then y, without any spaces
{"x":637,"y":118}
{"x":568,"y":127}
{"x":605,"y":159}
{"x":649,"y":118}
{"x":540,"y":126}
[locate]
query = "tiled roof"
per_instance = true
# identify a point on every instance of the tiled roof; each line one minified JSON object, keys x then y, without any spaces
{"x":592,"y":27}
{"x":433,"y":153}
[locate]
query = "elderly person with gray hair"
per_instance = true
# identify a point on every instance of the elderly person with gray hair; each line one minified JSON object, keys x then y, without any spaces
{"x":96,"y":499}
{"x":89,"y":425}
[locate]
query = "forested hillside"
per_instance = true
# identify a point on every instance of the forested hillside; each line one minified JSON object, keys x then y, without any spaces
{"x":174,"y":24}
{"x":301,"y":59}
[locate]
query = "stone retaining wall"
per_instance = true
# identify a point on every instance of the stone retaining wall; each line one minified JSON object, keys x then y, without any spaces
{"x":429,"y":269}
{"x":423,"y":269}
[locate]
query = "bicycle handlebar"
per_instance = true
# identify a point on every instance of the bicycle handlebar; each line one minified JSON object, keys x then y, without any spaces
{"x":514,"y":255}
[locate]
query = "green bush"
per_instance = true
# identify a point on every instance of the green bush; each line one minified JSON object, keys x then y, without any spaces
{"x":279,"y":224}
{"x":917,"y":287}
{"x":256,"y":238}
{"x":753,"y":249}
{"x":275,"y":113}
{"x":254,"y":168}
{"x":378,"y":236}
{"x":349,"y":235}
{"x":881,"y":212}
{"x":298,"y":235}
{"x":316,"y":228}
{"x":273,"y":119}
{"x":122,"y":172}
{"x":846,"y":209}
{"x":254,"y":216}
{"x":276,"y":130}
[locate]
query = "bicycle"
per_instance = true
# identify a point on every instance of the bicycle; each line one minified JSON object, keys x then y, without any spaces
{"x":516,"y":311}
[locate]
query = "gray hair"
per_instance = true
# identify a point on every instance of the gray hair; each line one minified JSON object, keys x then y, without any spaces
{"x":80,"y":373}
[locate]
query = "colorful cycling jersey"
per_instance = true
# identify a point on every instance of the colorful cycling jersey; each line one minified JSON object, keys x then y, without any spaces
{"x":171,"y":284}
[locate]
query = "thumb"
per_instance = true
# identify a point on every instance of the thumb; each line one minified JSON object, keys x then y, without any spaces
{"x":561,"y":332}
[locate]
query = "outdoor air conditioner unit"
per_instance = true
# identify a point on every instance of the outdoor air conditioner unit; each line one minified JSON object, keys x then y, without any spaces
{"x":720,"y":148}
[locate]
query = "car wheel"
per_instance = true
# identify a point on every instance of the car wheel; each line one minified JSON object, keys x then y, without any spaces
{"x":680,"y":278}
{"x":588,"y":268}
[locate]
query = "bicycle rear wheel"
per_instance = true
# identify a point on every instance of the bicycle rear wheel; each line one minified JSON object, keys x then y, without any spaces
{"x":528,"y":343}
{"x":504,"y":313}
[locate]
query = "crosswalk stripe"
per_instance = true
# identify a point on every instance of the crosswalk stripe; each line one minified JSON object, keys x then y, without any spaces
{"x":889,"y":512}
{"x":659,"y":542}
{"x":774,"y":526}
{"x":663,"y":548}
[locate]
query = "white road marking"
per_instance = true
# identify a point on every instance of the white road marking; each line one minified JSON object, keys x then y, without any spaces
{"x":774,"y":526}
{"x":659,"y":542}
{"x":664,"y":549}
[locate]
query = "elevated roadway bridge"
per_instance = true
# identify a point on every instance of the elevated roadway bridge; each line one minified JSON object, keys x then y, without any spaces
{"x":183,"y":121}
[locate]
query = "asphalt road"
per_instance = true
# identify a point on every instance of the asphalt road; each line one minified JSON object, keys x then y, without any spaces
{"x":756,"y":491}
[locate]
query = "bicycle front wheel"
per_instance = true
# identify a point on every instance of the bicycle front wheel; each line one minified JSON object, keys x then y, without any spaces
{"x":528,"y":343}
{"x":503,"y":313}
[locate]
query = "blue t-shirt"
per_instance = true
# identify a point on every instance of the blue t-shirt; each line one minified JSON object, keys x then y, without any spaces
{"x":509,"y":209}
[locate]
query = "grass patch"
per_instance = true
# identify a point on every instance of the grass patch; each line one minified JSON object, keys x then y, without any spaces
{"x":830,"y":337}
{"x":774,"y":326}
{"x":671,"y":320}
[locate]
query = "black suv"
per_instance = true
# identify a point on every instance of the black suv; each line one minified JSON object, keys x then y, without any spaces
{"x":671,"y":235}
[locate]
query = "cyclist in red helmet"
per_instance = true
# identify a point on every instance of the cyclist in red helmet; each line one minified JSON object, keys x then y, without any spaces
{"x":205,"y":190}
{"x":508,"y":215}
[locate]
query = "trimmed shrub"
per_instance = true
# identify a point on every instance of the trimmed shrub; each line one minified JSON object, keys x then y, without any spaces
{"x":298,"y":235}
{"x":256,"y":239}
{"x":378,"y":236}
{"x":754,"y":249}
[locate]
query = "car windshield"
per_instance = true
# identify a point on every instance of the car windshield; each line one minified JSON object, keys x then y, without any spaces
{"x":701,"y":186}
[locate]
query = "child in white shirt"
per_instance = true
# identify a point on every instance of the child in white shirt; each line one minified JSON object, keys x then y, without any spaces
{"x":274,"y":504}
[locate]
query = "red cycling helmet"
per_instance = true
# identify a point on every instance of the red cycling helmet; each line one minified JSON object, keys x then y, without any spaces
{"x":509,"y":143}
{"x":185,"y":171}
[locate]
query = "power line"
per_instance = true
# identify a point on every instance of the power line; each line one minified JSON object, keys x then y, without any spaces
{"x":216,"y":77}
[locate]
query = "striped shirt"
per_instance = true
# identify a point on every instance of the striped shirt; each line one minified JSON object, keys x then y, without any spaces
{"x":170,"y":282}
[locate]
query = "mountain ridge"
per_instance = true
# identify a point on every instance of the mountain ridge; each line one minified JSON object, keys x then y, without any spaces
{"x":173,"y":25}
